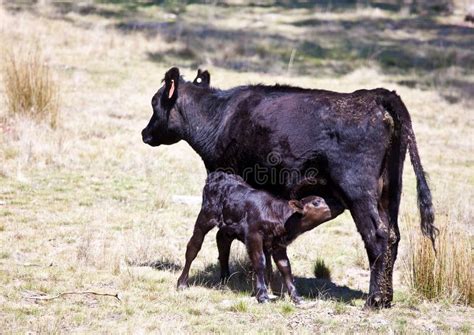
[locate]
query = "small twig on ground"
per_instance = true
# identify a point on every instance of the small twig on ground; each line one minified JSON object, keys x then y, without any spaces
{"x":60,"y":295}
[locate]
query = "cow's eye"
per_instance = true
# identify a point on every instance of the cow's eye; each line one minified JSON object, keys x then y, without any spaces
{"x":153,"y":101}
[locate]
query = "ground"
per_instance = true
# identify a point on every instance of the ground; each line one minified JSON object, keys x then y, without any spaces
{"x":88,"y":206}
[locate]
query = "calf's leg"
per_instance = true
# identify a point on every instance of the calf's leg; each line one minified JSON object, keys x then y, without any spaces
{"x":283,"y":263}
{"x":268,"y":267}
{"x":257,"y":258}
{"x":224,"y":242}
{"x":201,"y":228}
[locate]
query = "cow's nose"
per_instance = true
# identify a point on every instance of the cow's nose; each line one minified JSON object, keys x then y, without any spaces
{"x":145,"y":137}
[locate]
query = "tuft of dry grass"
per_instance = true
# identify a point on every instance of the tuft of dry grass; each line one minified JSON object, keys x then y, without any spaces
{"x":444,"y":275}
{"x":321,"y":270}
{"x":30,"y":88}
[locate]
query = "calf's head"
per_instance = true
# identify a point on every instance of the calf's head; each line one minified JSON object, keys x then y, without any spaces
{"x":314,"y":210}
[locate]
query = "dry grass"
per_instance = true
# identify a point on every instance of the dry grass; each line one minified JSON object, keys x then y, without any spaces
{"x":446,"y":275}
{"x":88,"y":206}
{"x":30,"y":88}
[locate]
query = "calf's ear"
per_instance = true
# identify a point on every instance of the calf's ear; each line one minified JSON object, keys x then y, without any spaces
{"x":170,"y":93}
{"x":296,"y":206}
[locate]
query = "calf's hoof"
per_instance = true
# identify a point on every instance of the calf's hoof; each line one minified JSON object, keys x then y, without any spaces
{"x":263,"y":299}
{"x":297,"y":300}
{"x":182,"y":285}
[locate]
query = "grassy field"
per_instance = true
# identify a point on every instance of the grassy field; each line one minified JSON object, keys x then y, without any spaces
{"x":88,"y":207}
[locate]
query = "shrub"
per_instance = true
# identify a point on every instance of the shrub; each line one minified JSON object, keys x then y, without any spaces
{"x":321,"y":271}
{"x":446,"y":275}
{"x":30,"y":88}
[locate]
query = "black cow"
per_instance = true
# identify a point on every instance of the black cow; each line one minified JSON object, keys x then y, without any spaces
{"x":257,"y":218}
{"x":274,"y":135}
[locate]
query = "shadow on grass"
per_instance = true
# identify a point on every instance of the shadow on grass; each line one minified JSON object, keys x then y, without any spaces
{"x":327,"y":290}
{"x":241,"y":281}
{"x":162,"y":265}
{"x":431,"y":6}
{"x":422,"y":48}
{"x":324,"y":47}
{"x":377,"y":39}
{"x":427,"y":6}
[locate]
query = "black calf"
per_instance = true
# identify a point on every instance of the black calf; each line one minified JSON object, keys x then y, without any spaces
{"x":265,"y":223}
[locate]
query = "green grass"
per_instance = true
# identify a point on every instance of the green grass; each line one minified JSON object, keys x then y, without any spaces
{"x":287,"y":309}
{"x":240,"y":307}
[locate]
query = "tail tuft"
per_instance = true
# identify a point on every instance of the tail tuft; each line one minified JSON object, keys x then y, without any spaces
{"x":426,"y":212}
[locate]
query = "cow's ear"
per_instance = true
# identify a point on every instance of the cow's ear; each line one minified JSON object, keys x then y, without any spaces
{"x":206,"y":78}
{"x":296,"y":206}
{"x":170,"y":93}
{"x":203,"y":78}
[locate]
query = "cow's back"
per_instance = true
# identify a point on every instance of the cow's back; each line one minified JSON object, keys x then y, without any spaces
{"x":278,"y":131}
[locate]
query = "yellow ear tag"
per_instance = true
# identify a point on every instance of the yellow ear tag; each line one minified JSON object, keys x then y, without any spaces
{"x":170,"y":94}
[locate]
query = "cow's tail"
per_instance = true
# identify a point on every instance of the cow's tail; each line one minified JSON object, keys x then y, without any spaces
{"x":397,"y":109}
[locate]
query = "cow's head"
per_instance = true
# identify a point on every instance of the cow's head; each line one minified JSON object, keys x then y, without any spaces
{"x":313,"y":209}
{"x":203,"y":78}
{"x":166,"y":123}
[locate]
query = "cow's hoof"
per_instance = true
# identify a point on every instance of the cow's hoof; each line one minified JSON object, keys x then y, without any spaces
{"x":225,"y":279}
{"x":374,"y":302}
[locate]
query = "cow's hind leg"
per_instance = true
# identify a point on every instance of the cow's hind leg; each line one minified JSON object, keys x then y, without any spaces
{"x":390,"y":253}
{"x":393,"y":240}
{"x":201,"y":228}
{"x":390,"y":202}
{"x":374,"y":229}
{"x":390,"y":189}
